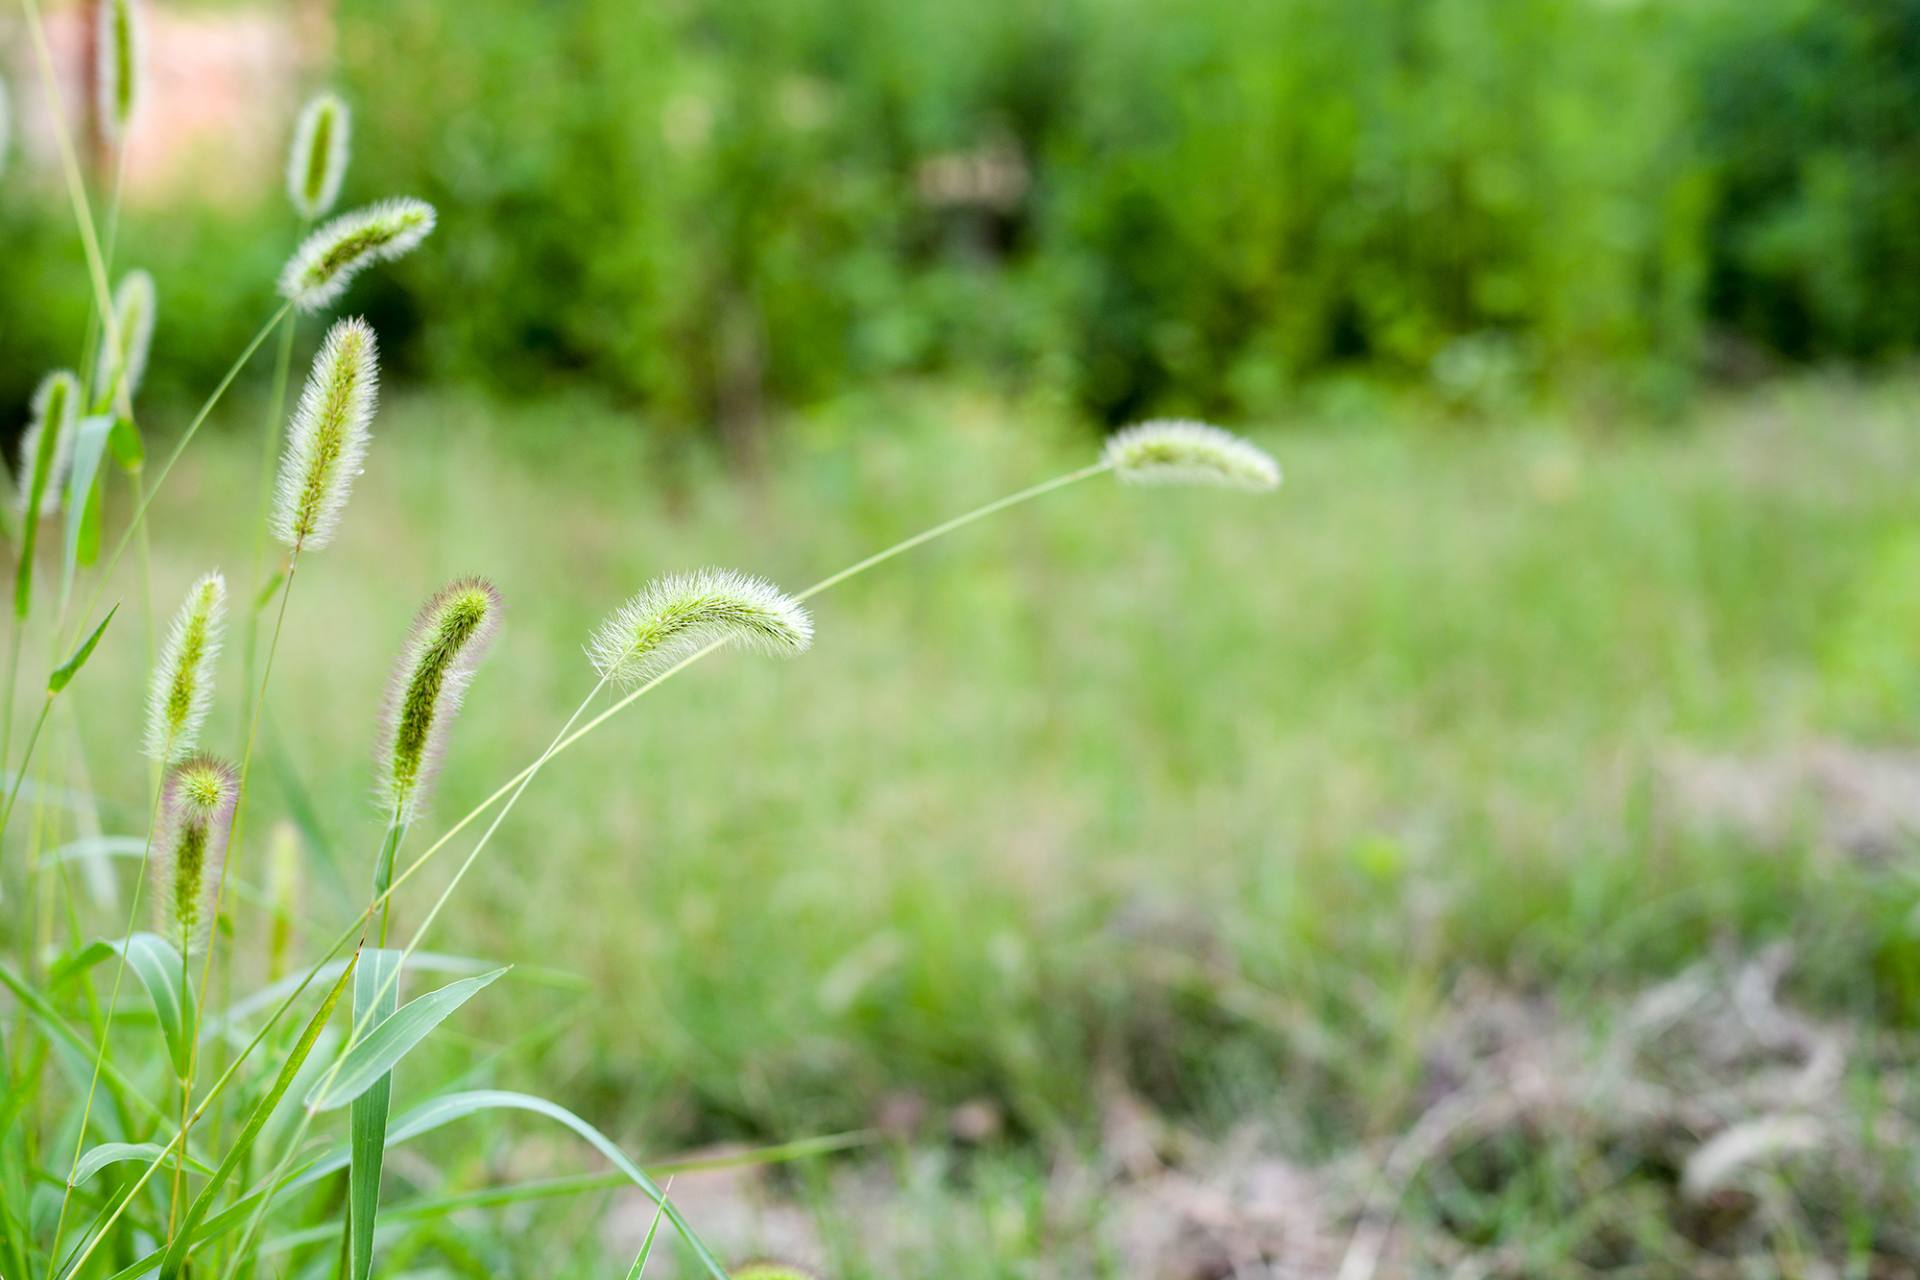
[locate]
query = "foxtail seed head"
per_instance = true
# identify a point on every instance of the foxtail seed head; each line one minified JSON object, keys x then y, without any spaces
{"x":328,"y":260}
{"x":317,"y":161}
{"x":195,"y":819}
{"x":449,"y":637}
{"x":123,"y":362}
{"x":682,"y":613}
{"x":119,"y":58}
{"x":46,"y":447}
{"x":327,"y":438}
{"x":1176,"y":452}
{"x":183,"y":680}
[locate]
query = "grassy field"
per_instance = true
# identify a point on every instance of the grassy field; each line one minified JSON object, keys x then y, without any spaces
{"x":1180,"y":880}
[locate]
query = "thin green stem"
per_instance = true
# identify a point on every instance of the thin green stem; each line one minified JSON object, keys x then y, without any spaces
{"x":180,"y":447}
{"x":186,"y":1103}
{"x":70,"y":168}
{"x":26,"y":758}
{"x":565,"y":739}
{"x":958,"y":522}
{"x":13,"y":684}
{"x":269,"y":428}
{"x":239,"y":816}
{"x":113,"y":1004}
{"x":514,"y":786}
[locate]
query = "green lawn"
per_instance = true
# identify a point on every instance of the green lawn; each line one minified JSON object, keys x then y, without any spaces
{"x":1245,"y":816}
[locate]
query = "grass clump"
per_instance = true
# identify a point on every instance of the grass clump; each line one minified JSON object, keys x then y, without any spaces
{"x":247,"y":1174}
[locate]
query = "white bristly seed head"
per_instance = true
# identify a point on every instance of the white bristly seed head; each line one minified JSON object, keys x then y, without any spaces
{"x":327,"y":438}
{"x":119,"y":67}
{"x":682,"y":613}
{"x":46,"y":447}
{"x":182,"y":687}
{"x":317,"y":161}
{"x":1177,"y":452}
{"x":449,"y":637}
{"x":196,"y":817}
{"x":123,"y":364}
{"x":328,"y":260}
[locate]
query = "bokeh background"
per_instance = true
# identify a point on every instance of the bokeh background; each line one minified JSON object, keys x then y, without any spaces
{"x":1492,"y":855}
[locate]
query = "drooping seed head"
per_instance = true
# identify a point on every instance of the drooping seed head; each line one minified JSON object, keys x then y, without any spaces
{"x":1177,"y":452}
{"x":449,"y":637}
{"x":46,"y":447}
{"x":327,"y":437}
{"x":123,"y":353}
{"x":328,"y":260}
{"x":682,"y":613}
{"x":317,"y":161}
{"x":196,"y":817}
{"x":119,"y":65}
{"x":183,"y":680}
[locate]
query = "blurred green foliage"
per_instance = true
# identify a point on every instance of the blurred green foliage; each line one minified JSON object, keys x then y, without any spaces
{"x":1139,"y":205}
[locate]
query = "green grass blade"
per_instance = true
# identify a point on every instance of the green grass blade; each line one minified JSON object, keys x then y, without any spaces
{"x":50,"y":1018}
{"x":124,"y":443}
{"x":159,"y":968}
{"x":108,"y":1153}
{"x":646,"y":1246}
{"x":175,"y":1259}
{"x":392,"y":1039}
{"x":82,"y":543}
{"x":376,"y":994}
{"x":64,"y":673}
{"x":454,"y":1106}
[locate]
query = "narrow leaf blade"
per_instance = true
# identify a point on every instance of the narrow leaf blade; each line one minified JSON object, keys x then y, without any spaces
{"x":82,"y":500}
{"x":110,"y":1153}
{"x":161,"y":971}
{"x":376,"y":993}
{"x":391,"y":1039}
{"x":125,"y":444}
{"x":175,"y":1258}
{"x":64,"y":673}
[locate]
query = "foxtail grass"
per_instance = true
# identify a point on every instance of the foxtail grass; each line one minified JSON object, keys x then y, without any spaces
{"x":119,"y":72}
{"x":317,"y":159}
{"x":327,"y":438}
{"x":182,"y":685}
{"x":122,"y":361}
{"x":328,"y":260}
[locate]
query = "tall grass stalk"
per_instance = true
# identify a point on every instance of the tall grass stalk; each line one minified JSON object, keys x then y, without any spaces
{"x":511,"y":790}
{"x":269,"y":429}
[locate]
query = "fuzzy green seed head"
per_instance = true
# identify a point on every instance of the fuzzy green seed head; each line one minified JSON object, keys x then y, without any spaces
{"x":46,"y":447}
{"x":449,"y":637}
{"x":123,"y":361}
{"x":328,"y":260}
{"x":196,"y":817}
{"x":119,"y":65}
{"x":182,"y":688}
{"x":679,"y":614}
{"x":317,"y":160}
{"x":327,"y":438}
{"x":1177,"y":452}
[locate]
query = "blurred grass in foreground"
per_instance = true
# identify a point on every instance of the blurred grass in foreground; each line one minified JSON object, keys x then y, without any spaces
{"x":1224,"y":803}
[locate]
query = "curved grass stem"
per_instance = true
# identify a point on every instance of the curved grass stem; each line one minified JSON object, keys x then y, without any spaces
{"x":511,"y":791}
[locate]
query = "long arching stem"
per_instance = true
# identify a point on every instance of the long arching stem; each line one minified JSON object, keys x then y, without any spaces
{"x":514,"y":786}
